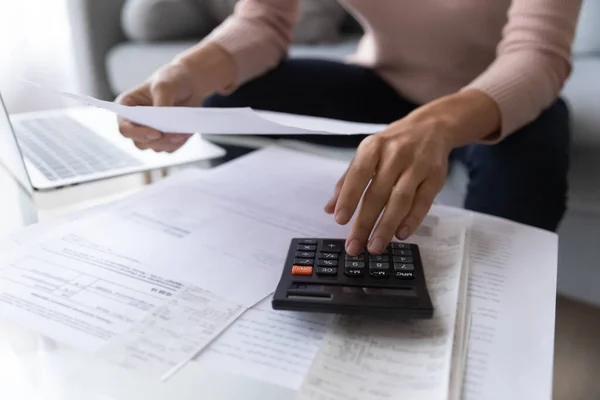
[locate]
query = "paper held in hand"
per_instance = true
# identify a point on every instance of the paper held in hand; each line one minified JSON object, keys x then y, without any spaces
{"x":224,"y":121}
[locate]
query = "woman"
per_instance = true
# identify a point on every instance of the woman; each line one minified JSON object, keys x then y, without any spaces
{"x":477,"y":81}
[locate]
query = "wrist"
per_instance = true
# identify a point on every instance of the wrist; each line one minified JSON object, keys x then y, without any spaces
{"x":463,"y":118}
{"x":211,"y":68}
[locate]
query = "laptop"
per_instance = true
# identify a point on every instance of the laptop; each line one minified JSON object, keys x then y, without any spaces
{"x":48,"y":150}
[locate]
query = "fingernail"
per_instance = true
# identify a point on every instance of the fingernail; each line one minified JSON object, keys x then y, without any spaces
{"x":153,"y":136}
{"x":353,"y":247}
{"x":404,"y":233}
{"x":177,"y":139}
{"x":377,"y":245}
{"x":341,"y":216}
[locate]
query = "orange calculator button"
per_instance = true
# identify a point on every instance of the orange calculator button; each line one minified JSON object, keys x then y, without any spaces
{"x":301,"y":270}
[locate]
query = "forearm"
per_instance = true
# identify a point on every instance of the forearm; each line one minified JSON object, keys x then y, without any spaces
{"x":465,"y":117}
{"x":209,"y":60}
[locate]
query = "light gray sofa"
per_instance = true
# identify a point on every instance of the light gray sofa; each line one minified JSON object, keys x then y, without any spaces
{"x":108,"y":64}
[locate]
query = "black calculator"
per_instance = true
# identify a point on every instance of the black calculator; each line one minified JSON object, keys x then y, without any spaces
{"x":320,"y":277}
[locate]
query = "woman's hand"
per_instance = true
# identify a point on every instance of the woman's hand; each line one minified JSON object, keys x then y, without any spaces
{"x":396,"y":174}
{"x":169,"y":86}
{"x":402,"y":169}
{"x":186,"y":81}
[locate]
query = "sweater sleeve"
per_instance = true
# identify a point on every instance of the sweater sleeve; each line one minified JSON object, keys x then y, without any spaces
{"x":257,"y":35}
{"x":533,"y":61}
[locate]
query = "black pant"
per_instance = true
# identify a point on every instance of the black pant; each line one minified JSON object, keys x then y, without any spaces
{"x":523,"y":178}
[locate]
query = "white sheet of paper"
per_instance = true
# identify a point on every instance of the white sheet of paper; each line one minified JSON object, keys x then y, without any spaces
{"x":95,"y":300}
{"x":382,"y":358}
{"x":273,"y":346}
{"x":237,"y":121}
{"x":227,"y":230}
{"x":512,"y":294}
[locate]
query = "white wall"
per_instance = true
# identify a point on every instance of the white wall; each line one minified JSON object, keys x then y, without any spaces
{"x":34,"y":44}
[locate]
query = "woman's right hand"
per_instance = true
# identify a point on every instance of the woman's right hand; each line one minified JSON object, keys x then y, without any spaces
{"x":176,"y":84}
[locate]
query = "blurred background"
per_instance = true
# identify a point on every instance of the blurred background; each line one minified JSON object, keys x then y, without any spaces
{"x":35,"y":43}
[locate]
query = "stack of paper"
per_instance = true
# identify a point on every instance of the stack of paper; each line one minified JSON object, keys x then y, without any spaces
{"x":136,"y":283}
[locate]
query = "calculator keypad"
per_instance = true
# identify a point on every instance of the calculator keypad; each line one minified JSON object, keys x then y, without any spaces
{"x":325,"y":257}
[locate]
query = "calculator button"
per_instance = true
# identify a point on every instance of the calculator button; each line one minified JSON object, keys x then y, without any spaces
{"x":354,"y":264}
{"x":378,"y":258}
{"x":301,"y":270}
{"x":326,"y":271}
{"x":378,"y":273}
{"x":307,"y":241}
{"x":354,"y":271}
{"x":329,"y":256}
{"x":305,"y":254}
{"x":400,"y":245}
{"x":306,"y":247}
{"x":327,"y":263}
{"x":303,"y":261}
{"x":403,"y":267}
{"x":355,"y":258}
{"x":404,"y":275}
{"x":398,"y":252}
{"x":379,"y":265}
{"x":402,"y":259}
{"x":332,"y":246}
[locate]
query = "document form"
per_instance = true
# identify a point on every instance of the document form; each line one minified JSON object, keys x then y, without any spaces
{"x":366,"y":358}
{"x":89,"y":297}
{"x":512,"y":294}
{"x":227,"y":230}
{"x":273,"y":346}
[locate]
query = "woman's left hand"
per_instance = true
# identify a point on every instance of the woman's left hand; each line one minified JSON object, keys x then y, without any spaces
{"x":400,"y":171}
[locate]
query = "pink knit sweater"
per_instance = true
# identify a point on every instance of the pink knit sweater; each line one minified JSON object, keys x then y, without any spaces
{"x":517,"y":52}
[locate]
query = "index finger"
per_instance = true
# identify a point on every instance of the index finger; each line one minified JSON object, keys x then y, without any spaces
{"x":358,"y":176}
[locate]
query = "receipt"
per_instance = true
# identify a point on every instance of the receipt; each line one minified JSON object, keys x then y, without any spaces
{"x":171,"y":335}
{"x":366,"y":358}
{"x":87,"y":296}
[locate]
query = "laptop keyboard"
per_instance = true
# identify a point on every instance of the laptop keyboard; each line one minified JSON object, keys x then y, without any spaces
{"x":61,"y":147}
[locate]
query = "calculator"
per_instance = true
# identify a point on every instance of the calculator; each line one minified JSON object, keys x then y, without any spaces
{"x":319,"y":276}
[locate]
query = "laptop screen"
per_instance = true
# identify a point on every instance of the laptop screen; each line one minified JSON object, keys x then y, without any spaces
{"x":10,"y":153}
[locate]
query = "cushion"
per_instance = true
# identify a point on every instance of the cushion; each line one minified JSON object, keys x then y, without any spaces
{"x":587,"y":38}
{"x":152,"y":20}
{"x":319,"y":21}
